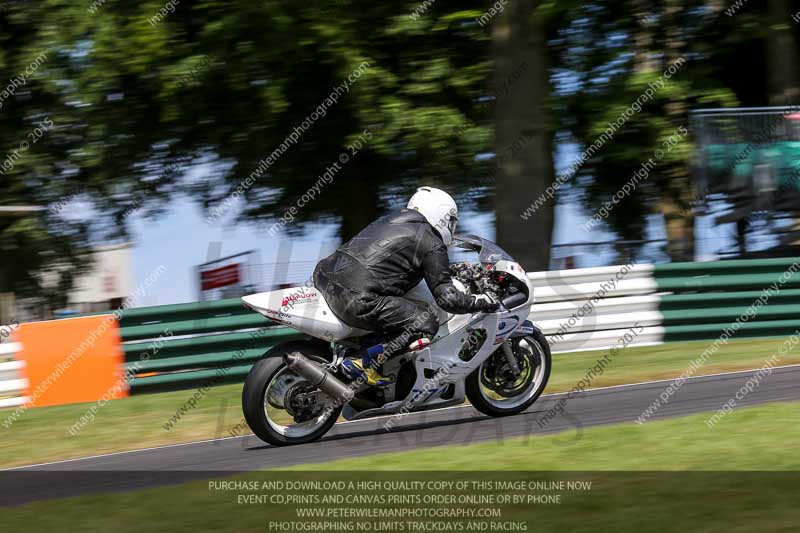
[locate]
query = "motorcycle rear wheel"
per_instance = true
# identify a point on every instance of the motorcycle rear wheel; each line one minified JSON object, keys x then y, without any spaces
{"x":264,"y":393}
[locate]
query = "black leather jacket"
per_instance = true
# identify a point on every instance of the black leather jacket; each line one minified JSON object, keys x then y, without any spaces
{"x":392,"y":255}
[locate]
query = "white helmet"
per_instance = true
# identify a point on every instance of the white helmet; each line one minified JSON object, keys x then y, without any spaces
{"x":439,"y":209}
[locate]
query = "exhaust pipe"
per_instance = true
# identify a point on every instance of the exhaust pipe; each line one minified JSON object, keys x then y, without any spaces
{"x":318,"y":377}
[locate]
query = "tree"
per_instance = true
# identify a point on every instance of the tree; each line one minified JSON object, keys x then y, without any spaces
{"x":40,"y":251}
{"x":521,"y":120}
{"x":619,"y":56}
{"x":137,"y":99}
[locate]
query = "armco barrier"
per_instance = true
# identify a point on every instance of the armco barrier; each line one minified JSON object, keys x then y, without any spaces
{"x":12,"y":383}
{"x":209,"y":343}
{"x":707,"y":298}
{"x":181,"y":346}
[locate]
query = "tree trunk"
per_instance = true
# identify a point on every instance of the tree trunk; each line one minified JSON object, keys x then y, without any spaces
{"x":676,"y":186}
{"x":523,"y":173}
{"x":644,"y":59}
{"x":783,"y":72}
{"x":783,"y":76}
{"x":741,"y":236}
{"x":362,"y":194}
{"x":679,"y":225}
{"x":7,"y":306}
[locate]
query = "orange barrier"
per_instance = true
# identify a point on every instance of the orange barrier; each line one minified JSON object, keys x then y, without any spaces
{"x":72,"y":360}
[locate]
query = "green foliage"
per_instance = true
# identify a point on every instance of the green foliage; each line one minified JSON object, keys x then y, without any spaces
{"x":601,"y":72}
{"x":136,"y":104}
{"x":137,"y":99}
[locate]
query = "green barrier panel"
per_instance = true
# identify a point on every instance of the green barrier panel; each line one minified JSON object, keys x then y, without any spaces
{"x":188,"y":380}
{"x":195,"y":327}
{"x":183,"y":312}
{"x":722,"y":314}
{"x":207,"y":343}
{"x":712,"y":295}
{"x":222,"y":340}
{"x":738,"y":266}
{"x":732,"y":282}
{"x":769,"y":328}
{"x":212,"y":359}
{"x":671,"y":302}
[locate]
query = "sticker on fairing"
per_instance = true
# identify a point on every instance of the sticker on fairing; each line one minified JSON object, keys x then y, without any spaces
{"x":505,"y":327}
{"x":507,"y":324}
{"x":278,"y":316}
{"x":299,"y":298}
{"x":526,"y":328}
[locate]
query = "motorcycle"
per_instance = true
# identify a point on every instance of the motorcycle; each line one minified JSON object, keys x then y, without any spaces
{"x":499,"y":361}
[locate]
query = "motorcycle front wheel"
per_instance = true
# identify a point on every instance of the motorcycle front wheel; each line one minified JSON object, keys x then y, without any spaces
{"x":271,"y":399}
{"x":494,"y":390}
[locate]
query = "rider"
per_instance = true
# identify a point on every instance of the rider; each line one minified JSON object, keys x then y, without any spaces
{"x":365,"y":280}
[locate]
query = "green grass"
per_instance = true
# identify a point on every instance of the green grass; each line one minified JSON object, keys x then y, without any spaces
{"x":665,"y":361}
{"x":42,"y":434}
{"x":757,"y":438}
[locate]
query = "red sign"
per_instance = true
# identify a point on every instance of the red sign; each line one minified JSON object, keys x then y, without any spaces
{"x":220,"y":277}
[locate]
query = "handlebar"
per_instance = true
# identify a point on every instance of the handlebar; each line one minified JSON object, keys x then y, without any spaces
{"x":514,"y":300}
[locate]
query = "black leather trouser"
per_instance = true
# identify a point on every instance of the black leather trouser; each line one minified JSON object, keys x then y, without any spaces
{"x":402,"y":321}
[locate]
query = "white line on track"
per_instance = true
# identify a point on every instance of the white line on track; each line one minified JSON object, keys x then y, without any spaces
{"x":554,"y":395}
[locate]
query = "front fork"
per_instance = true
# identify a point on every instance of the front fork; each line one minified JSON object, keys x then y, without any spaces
{"x":511,"y":358}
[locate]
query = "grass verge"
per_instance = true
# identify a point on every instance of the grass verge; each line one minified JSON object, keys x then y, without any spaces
{"x":726,"y":497}
{"x":41,"y":435}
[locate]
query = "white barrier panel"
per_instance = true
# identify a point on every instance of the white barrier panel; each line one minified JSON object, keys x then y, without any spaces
{"x":14,"y":402}
{"x":591,"y":308}
{"x":596,"y":324}
{"x":564,"y":310}
{"x":13,"y":385}
{"x":10,"y":382}
{"x":604,"y":340}
{"x":10,"y":370}
{"x":582,"y":291}
{"x":9,"y":349}
{"x":589,"y":275}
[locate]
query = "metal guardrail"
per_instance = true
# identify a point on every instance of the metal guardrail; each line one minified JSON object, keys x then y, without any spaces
{"x":12,"y":384}
{"x":210,"y":343}
{"x":181,"y":346}
{"x":676,"y":301}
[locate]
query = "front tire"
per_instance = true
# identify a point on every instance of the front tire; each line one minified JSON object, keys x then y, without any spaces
{"x":256,"y":403}
{"x":532,"y":350}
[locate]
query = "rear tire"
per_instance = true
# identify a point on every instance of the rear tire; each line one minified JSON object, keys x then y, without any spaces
{"x":477,"y":397}
{"x":255,"y":388}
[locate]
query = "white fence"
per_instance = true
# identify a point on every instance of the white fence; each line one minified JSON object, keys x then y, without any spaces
{"x":12,"y":384}
{"x":593,"y":308}
{"x":582,"y":309}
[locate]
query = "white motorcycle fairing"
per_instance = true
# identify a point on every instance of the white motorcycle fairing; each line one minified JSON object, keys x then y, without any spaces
{"x":440,"y":372}
{"x":439,"y":369}
{"x":304,"y":309}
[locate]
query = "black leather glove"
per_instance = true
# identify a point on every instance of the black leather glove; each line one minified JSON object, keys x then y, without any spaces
{"x":485,"y":304}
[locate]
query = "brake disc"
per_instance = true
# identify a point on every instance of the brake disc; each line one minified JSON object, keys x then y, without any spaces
{"x":498,"y":377}
{"x":302,"y":402}
{"x":276,"y":395}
